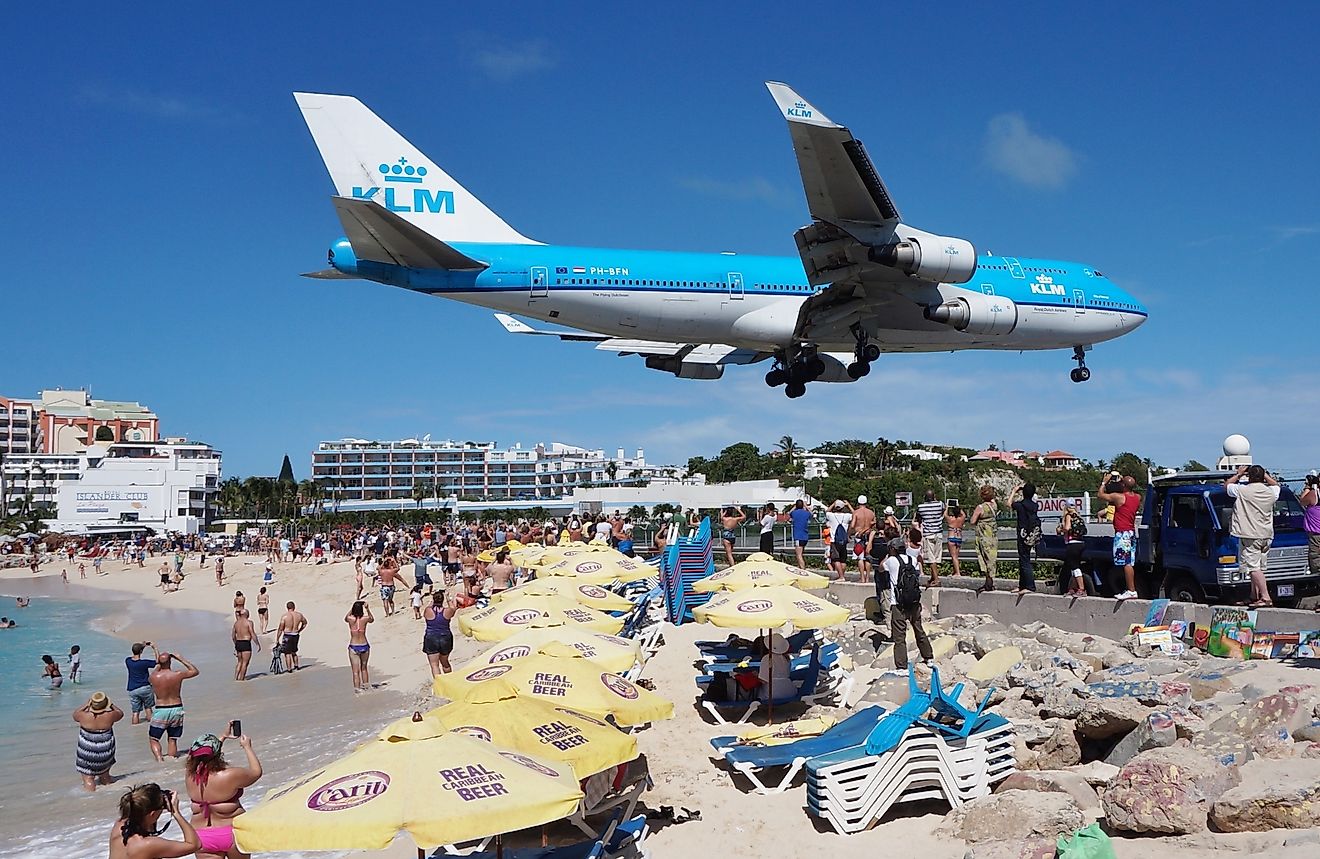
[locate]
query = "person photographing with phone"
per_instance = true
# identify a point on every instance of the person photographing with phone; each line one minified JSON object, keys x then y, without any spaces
{"x":215,"y":788}
{"x":137,"y":833}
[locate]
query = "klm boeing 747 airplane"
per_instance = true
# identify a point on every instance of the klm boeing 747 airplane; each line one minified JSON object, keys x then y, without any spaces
{"x":863,"y":283}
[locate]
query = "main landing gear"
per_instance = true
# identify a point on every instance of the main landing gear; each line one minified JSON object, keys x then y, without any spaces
{"x":863,"y":355}
{"x":1079,"y":373}
{"x":795,"y":374}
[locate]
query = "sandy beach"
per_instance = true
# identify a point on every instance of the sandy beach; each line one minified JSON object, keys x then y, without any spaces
{"x":317,"y":706}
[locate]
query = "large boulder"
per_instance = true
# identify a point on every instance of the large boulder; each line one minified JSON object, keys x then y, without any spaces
{"x":995,"y":663}
{"x":1059,"y":751}
{"x":1272,"y":795}
{"x":1155,"y":731}
{"x":990,"y":636}
{"x":1103,"y":718}
{"x":1015,"y":815}
{"x":1166,"y":791}
{"x":1096,"y":773}
{"x":1058,"y":781}
{"x":1063,"y":703}
{"x":1262,"y":715}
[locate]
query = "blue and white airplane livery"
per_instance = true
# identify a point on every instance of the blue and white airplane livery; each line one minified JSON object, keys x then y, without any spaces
{"x":864,"y":282}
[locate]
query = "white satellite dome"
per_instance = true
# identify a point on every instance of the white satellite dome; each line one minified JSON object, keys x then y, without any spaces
{"x":1237,"y":445}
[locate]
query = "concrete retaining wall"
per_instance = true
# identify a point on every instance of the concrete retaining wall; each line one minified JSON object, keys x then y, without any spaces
{"x":1091,"y":615}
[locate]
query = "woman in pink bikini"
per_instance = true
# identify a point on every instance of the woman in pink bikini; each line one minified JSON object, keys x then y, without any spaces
{"x":215,"y":789}
{"x":358,"y":648}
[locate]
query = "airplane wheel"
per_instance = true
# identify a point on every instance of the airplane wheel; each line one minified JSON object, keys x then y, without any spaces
{"x":776,"y":377}
{"x":795,"y":390}
{"x":1083,"y":374}
{"x":870,"y":353}
{"x":815,"y":368}
{"x":858,"y":369}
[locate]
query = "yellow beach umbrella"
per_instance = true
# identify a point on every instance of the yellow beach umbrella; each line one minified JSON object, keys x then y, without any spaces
{"x":563,"y":640}
{"x":589,"y":595}
{"x":445,"y":789}
{"x":598,"y":568}
{"x":544,"y":730}
{"x":500,"y":620}
{"x":763,"y":608}
{"x":579,"y":684}
{"x":758,"y":571}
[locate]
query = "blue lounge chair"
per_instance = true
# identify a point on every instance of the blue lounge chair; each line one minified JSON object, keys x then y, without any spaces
{"x":829,"y":655}
{"x":950,"y":717}
{"x":622,"y":838}
{"x":752,"y":761}
{"x":805,"y":692}
{"x":722,"y":651}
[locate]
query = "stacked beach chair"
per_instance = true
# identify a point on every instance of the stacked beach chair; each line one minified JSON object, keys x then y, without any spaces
{"x":684,"y":561}
{"x":930,"y":748}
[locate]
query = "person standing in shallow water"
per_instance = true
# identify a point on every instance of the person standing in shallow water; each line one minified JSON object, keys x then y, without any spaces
{"x":96,"y":740}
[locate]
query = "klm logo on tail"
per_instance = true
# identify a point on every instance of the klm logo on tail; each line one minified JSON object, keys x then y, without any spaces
{"x":800,"y":110}
{"x":396,"y":199}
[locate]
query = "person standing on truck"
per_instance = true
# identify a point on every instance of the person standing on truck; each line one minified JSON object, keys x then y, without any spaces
{"x":1126,"y":504}
{"x":1253,"y":525}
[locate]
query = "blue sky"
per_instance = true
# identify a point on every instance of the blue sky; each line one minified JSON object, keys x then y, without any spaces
{"x":165,"y":194}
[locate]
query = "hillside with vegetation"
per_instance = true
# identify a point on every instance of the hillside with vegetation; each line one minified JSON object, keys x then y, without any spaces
{"x":878,"y":470}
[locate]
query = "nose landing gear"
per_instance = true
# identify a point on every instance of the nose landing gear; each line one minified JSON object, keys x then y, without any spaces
{"x":1080,"y":373}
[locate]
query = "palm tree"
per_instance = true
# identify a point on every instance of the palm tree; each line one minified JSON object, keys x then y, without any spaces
{"x":419,"y":493}
{"x":789,"y":447}
{"x":611,"y":469}
{"x":232,"y":497}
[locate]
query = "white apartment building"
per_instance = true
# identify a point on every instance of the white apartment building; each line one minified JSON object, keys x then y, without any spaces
{"x":816,"y":465}
{"x":167,"y":485}
{"x":361,"y":475}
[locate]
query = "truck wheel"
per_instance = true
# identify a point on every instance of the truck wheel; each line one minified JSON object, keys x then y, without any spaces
{"x":1181,"y":587}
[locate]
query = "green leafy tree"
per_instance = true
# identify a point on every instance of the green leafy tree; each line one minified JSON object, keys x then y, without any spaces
{"x":1130,"y":464}
{"x":1195,"y":465}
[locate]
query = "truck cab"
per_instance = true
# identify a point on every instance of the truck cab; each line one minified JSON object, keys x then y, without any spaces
{"x":1185,"y":550}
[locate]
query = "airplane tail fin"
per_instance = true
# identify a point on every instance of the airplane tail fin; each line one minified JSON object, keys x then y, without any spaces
{"x":369,"y":160}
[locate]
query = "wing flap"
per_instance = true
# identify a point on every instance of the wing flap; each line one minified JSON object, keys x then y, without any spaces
{"x":840,"y":182}
{"x":379,"y":235}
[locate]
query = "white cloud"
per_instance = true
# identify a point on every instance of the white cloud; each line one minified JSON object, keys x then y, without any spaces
{"x":153,"y":104}
{"x":504,"y":62}
{"x":1285,"y":233}
{"x":753,"y":190}
{"x":1015,"y":150}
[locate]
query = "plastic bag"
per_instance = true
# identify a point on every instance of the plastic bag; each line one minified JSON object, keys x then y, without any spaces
{"x":1090,"y":842}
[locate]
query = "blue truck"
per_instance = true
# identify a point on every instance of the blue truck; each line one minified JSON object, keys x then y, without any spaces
{"x":1185,"y":552}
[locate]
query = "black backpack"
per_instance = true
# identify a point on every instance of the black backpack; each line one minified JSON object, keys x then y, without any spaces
{"x":907,"y":590}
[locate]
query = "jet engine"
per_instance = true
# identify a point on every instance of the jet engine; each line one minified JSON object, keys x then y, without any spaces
{"x":976,"y":314}
{"x":683,"y":369}
{"x":939,"y":259}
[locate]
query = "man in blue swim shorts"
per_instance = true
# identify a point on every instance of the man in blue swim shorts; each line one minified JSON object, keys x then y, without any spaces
{"x":167,"y":718}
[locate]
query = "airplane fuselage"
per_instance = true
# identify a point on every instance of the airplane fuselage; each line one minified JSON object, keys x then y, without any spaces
{"x":751,"y":302}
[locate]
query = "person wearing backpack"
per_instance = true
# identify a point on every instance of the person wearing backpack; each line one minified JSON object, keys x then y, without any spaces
{"x":1073,"y":529}
{"x":877,"y":549}
{"x":1028,"y":533}
{"x":905,"y":595}
{"x":837,"y":522}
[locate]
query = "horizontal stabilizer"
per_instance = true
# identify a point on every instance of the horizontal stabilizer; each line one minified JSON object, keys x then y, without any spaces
{"x":381,"y":236}
{"x":329,"y":274}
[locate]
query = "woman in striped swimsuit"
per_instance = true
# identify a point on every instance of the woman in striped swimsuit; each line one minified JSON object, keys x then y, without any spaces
{"x":96,"y":740}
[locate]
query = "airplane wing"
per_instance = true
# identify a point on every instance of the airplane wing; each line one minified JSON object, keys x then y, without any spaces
{"x":379,"y":235}
{"x":857,"y":248}
{"x":688,"y":353}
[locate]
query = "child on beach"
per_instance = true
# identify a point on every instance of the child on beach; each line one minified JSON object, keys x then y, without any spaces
{"x":82,"y":571}
{"x":64,"y":574}
{"x":75,"y":663}
{"x":417,"y":601}
{"x":268,"y":578}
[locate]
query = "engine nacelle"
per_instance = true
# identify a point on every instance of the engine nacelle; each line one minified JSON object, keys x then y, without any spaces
{"x":976,"y":314}
{"x":683,"y":369}
{"x":939,"y":259}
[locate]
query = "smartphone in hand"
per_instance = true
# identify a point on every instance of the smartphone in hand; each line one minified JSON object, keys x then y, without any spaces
{"x":235,"y":728}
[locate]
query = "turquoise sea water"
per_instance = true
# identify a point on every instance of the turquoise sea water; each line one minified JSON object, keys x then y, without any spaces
{"x":297,"y":721}
{"x":29,"y":709}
